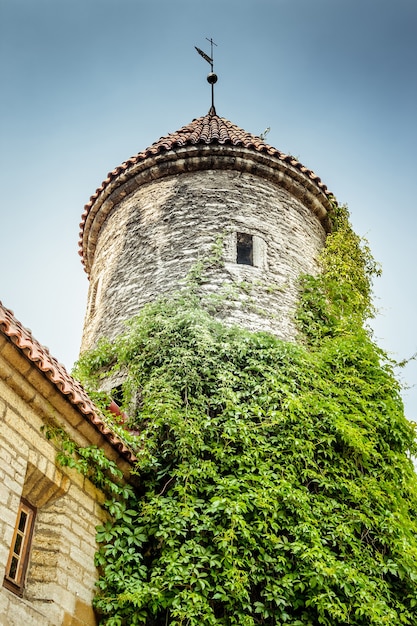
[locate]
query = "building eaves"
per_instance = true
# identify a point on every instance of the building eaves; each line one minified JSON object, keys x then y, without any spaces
{"x":53,"y":370}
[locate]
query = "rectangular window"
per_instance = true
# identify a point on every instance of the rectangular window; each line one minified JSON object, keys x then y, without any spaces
{"x":244,"y":249}
{"x":20,"y":548}
{"x":93,"y":298}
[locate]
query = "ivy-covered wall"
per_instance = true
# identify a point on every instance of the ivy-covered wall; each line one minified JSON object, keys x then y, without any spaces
{"x":158,"y":232}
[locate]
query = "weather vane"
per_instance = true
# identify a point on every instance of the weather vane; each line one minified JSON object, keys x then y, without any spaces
{"x":212,"y":77}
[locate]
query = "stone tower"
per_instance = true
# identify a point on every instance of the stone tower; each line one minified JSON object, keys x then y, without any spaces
{"x":164,"y":209}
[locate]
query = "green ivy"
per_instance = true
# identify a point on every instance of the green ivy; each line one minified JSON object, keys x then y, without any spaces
{"x":339,"y":300}
{"x":276,"y":484}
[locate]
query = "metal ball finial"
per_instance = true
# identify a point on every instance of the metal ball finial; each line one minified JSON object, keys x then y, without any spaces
{"x":212,"y":78}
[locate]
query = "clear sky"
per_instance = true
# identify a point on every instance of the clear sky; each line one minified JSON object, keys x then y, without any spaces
{"x":88,"y":83}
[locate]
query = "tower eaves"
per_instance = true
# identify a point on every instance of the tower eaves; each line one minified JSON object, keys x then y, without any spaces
{"x":208,"y":130}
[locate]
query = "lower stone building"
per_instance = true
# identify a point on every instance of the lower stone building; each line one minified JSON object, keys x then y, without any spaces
{"x":48,"y":513}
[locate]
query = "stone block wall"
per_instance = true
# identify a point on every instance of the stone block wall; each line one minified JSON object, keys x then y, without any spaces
{"x":61,"y":574}
{"x":153,"y":236}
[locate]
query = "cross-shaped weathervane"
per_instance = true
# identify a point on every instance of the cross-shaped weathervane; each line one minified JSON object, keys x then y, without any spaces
{"x":212,"y":77}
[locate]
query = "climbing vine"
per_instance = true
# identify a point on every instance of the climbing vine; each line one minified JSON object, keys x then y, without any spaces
{"x":275,"y":480}
{"x":339,"y":300}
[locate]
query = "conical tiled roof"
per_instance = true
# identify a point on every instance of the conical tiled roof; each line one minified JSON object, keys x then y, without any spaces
{"x":207,"y":130}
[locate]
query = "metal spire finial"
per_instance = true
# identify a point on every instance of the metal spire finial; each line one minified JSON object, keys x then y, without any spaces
{"x":212,"y":77}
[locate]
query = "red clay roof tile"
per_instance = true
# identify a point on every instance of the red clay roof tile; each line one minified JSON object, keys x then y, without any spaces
{"x":58,"y":375}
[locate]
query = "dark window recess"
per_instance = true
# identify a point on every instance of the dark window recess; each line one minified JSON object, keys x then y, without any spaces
{"x":117,"y":395}
{"x":244,"y":252}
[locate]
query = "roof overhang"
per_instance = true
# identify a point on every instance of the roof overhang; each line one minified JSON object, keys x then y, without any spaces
{"x":283,"y":170}
{"x":45,"y":383}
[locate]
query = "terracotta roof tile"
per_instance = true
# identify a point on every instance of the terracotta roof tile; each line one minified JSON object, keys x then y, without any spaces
{"x":58,"y":375}
{"x":209,"y":129}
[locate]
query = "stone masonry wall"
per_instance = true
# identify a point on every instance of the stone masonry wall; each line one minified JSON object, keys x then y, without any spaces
{"x":153,"y":237}
{"x":61,"y":572}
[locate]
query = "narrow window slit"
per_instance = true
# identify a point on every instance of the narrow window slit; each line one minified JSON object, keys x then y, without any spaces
{"x":244,"y":249}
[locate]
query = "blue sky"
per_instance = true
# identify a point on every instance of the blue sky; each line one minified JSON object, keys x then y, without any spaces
{"x":88,"y":83}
